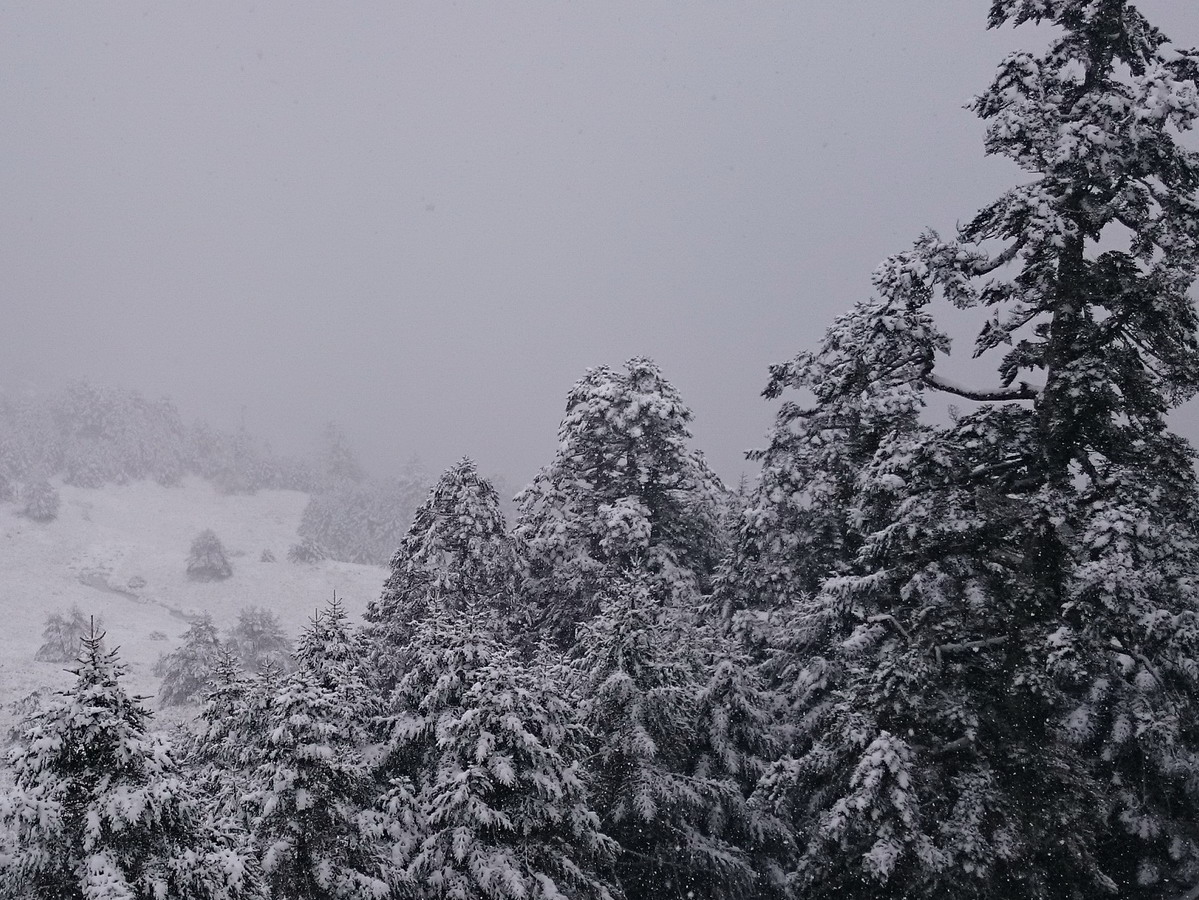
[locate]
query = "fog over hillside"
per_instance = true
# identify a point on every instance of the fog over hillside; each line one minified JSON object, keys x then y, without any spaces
{"x":424,"y":222}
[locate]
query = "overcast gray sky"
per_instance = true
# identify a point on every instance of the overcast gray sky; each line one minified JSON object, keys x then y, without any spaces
{"x":424,"y":220}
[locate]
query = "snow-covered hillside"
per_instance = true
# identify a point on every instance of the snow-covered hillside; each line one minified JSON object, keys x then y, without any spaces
{"x":120,"y":552}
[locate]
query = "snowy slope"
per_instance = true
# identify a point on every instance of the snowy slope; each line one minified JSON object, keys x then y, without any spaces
{"x":103,"y":540}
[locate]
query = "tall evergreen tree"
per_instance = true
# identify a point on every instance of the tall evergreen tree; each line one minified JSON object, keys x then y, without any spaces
{"x":259,"y":640}
{"x":664,"y":773}
{"x":624,"y":490}
{"x":993,"y":621}
{"x":186,"y":671}
{"x":310,"y":797}
{"x":456,"y":555}
{"x":100,"y":810}
{"x":499,"y":793}
{"x":338,"y":459}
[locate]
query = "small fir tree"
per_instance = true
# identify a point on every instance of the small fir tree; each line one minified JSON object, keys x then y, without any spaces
{"x":329,"y":649}
{"x":207,"y":560}
{"x":63,"y":635}
{"x":186,"y":671}
{"x":259,"y":641}
{"x":99,"y":810}
{"x":40,"y":501}
{"x":310,"y":795}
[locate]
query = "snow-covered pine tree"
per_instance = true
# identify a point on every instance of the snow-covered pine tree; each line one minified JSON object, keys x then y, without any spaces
{"x":737,"y":738}
{"x":364,"y":521}
{"x":445,"y":653}
{"x":456,"y":555}
{"x":998,"y":686}
{"x":229,"y":732}
{"x":337,"y":458}
{"x":207,"y":560}
{"x":63,"y":634}
{"x":187,"y":670}
{"x":329,"y":649}
{"x":624,"y":489}
{"x":40,"y":500}
{"x":99,"y":810}
{"x":502,"y":802}
{"x":307,"y":550}
{"x":666,"y":787}
{"x":310,"y":797}
{"x":259,"y":640}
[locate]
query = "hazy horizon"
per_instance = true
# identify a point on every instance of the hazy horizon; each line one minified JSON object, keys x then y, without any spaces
{"x":425,"y":221}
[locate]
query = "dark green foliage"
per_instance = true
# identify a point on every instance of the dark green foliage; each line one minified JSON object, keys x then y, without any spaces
{"x":670,"y":758}
{"x":987,"y":629}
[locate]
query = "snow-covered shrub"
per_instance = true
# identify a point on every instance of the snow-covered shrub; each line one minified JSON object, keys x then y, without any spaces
{"x":267,"y":556}
{"x":8,"y":492}
{"x":207,"y":560}
{"x":41,"y":500}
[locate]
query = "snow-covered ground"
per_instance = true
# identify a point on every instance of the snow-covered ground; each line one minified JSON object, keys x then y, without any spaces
{"x":120,"y":553}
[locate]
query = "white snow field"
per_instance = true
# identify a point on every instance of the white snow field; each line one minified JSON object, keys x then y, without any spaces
{"x":120,"y":552}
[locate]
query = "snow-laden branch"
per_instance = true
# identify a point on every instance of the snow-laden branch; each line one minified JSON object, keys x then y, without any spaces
{"x":999,"y":260}
{"x":1022,"y":391}
{"x":967,"y":646}
{"x":884,"y":617}
{"x":954,"y":746}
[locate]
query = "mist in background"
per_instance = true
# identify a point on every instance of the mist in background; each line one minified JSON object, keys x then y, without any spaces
{"x":425,"y":220}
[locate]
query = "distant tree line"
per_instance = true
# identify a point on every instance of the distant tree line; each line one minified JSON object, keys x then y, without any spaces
{"x":89,"y":436}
